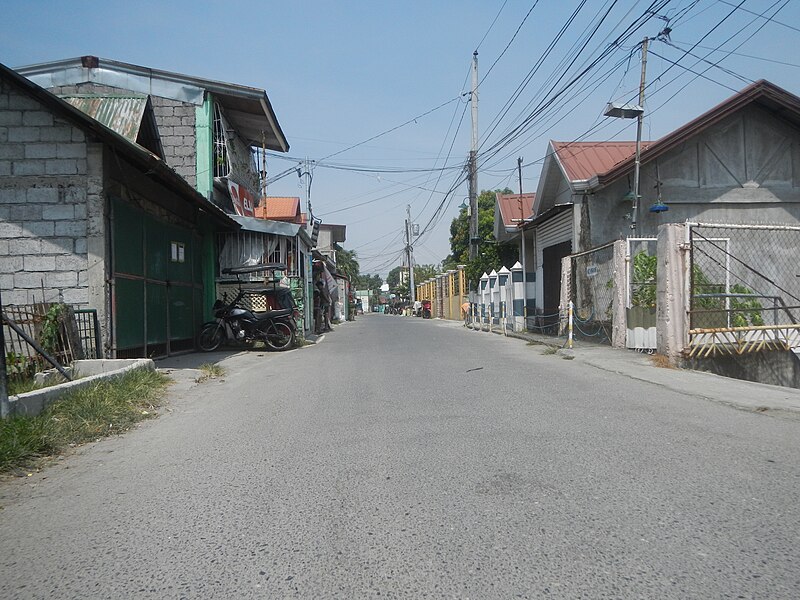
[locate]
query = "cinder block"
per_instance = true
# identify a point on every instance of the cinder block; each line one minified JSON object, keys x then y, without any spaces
{"x":24,"y":246}
{"x":11,"y":117}
{"x":3,"y":101}
{"x":26,"y":280}
{"x":55,"y":245}
{"x":10,"y":230}
{"x":13,"y":296}
{"x":12,"y":151}
{"x":23,"y":134}
{"x":79,"y":295}
{"x":6,"y":283}
{"x":4,"y":247}
{"x":42,"y":194}
{"x":58,"y":212}
{"x":41,"y":150}
{"x":78,"y":135}
{"x":81,"y":246}
{"x":185,"y":131}
{"x":39,"y":263}
{"x":75,"y":195}
{"x":72,"y":150}
{"x":17,"y":101}
{"x":11,"y":264}
{"x":5,"y":167}
{"x":25,"y":212}
{"x":39,"y":228}
{"x":3,"y":135}
{"x":80,"y":211}
{"x":62,"y":279}
{"x":37,"y":118}
{"x":70,"y":228}
{"x":69,"y":263}
{"x":58,"y":133}
{"x":28,"y":167}
{"x":62,"y":166}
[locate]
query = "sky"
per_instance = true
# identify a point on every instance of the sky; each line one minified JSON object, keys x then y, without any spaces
{"x":376,"y":93}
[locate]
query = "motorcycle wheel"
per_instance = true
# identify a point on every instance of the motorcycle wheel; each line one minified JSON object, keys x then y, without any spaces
{"x":211,"y":337}
{"x":279,"y":336}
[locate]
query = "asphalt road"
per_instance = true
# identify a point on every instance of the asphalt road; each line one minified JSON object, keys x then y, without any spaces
{"x":404,"y":458}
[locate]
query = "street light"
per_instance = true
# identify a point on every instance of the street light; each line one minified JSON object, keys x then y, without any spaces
{"x":630,"y":111}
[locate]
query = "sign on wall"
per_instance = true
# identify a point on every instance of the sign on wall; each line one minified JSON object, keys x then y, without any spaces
{"x":242,"y":200}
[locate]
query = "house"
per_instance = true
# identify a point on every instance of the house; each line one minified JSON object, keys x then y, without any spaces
{"x":210,"y":132}
{"x":329,"y":236}
{"x":92,"y":218}
{"x":737,"y":163}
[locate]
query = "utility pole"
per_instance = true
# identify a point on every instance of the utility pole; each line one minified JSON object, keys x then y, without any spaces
{"x":410,"y":250}
{"x":639,"y":121}
{"x":524,"y":267}
{"x":4,"y":406}
{"x":473,"y":163}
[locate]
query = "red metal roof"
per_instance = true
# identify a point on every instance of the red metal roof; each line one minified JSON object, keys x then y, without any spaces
{"x":584,"y":160}
{"x":279,"y":208}
{"x":514,"y":207}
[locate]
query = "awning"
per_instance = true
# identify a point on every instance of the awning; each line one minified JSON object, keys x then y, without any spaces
{"x":272,"y":227}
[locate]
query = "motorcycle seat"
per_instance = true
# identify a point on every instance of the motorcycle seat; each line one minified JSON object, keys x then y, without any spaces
{"x":273,"y":314}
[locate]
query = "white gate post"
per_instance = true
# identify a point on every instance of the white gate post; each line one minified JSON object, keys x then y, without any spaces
{"x":518,"y":297}
{"x":484,"y":296}
{"x":506,"y":289}
{"x":494,"y":298}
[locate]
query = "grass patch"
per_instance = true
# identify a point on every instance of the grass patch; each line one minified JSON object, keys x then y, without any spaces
{"x":18,"y":385}
{"x":535,"y":343}
{"x":210,"y":371}
{"x":107,"y":408}
{"x":661,"y":361}
{"x":549,"y":351}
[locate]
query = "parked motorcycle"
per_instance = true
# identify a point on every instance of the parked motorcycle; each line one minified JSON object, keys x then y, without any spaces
{"x":235,"y":323}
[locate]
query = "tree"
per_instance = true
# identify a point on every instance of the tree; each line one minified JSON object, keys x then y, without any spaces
{"x":368,"y":282}
{"x":346,"y":263}
{"x":491,"y":255}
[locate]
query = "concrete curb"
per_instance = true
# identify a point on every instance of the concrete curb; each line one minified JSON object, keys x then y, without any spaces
{"x":32,"y":403}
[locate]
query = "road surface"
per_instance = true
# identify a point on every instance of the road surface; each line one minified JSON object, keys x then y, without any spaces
{"x":408,"y":458}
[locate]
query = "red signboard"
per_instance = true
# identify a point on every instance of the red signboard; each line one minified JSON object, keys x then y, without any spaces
{"x":242,"y":200}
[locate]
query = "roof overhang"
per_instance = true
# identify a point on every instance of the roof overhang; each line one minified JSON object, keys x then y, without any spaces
{"x":248,"y":109}
{"x":139,"y":157}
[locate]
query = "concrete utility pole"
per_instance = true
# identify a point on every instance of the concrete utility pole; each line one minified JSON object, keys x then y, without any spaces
{"x":639,"y":121}
{"x":410,"y":249}
{"x":473,"y":163}
{"x":522,"y":231}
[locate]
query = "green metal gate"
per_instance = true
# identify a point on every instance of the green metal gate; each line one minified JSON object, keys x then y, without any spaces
{"x":158,"y":292}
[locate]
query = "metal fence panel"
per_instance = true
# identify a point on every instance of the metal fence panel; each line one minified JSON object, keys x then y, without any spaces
{"x":745,"y":285}
{"x":592,"y":292}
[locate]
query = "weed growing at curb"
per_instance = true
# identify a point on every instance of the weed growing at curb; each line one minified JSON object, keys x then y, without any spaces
{"x":106,"y":408}
{"x":210,"y":371}
{"x":549,"y":351}
{"x":661,"y":361}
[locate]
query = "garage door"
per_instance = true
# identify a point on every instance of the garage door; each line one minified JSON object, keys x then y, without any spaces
{"x":157,"y":292}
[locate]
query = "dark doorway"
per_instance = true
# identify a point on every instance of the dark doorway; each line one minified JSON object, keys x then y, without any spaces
{"x":551,"y":279}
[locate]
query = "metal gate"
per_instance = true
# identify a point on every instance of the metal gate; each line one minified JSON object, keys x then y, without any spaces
{"x":157,"y":290}
{"x":592,"y":292}
{"x":744,"y":289}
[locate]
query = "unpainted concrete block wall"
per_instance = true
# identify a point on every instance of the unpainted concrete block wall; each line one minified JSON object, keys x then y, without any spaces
{"x":44,"y":166}
{"x":176,"y":127}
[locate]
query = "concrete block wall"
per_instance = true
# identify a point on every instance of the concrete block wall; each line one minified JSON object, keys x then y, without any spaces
{"x":43,"y":198}
{"x":176,"y":127}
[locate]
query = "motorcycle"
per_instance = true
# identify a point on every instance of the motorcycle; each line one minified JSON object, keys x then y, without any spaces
{"x":234,"y":323}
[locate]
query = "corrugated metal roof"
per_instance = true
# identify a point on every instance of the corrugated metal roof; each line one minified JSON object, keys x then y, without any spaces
{"x":280,"y":208}
{"x":512,"y":210}
{"x":123,"y":114}
{"x":248,"y":108}
{"x":583,"y":160}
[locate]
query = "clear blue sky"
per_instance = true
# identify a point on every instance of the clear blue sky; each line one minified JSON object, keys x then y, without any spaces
{"x":339,"y":73}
